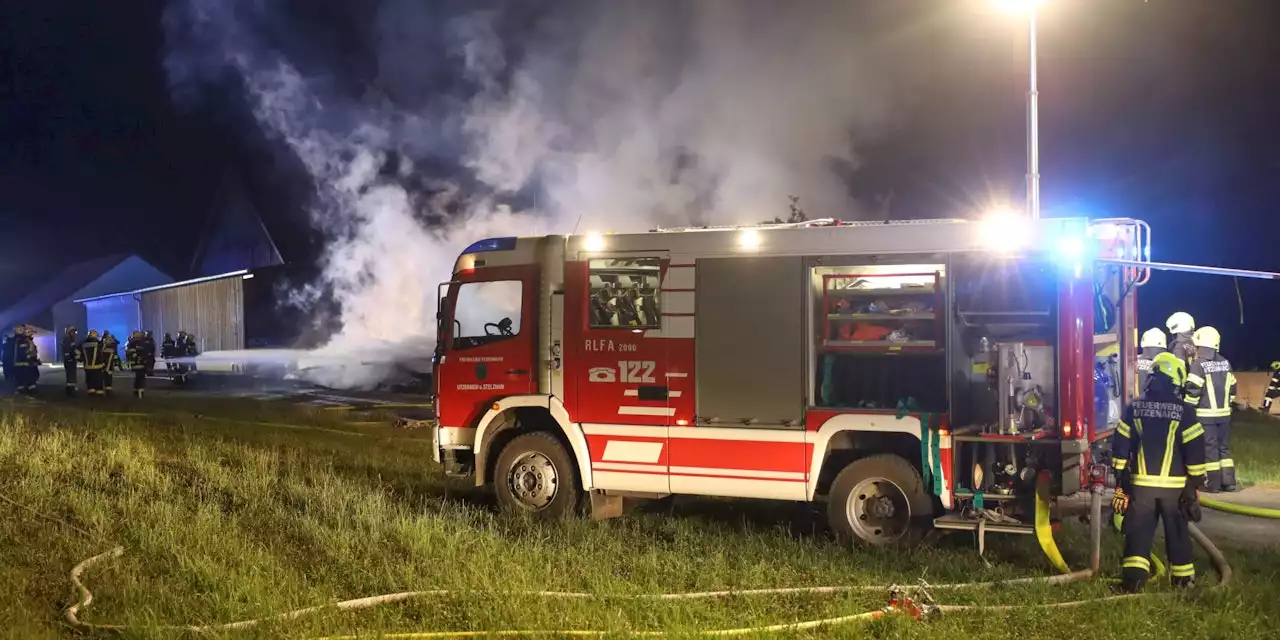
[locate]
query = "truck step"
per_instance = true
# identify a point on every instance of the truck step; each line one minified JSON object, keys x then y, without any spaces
{"x":957,"y":523}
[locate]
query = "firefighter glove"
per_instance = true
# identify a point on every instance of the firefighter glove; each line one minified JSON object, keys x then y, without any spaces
{"x":1120,"y":501}
{"x":1189,"y":502}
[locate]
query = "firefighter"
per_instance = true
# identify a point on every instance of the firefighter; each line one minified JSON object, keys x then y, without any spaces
{"x":180,"y":368}
{"x":1159,"y":463}
{"x":26,"y":359}
{"x":70,"y":355}
{"x":93,"y":358}
{"x":110,"y":347}
{"x":185,"y":349}
{"x":191,"y":351}
{"x":6,"y":360}
{"x":1211,"y":388}
{"x":1180,"y":326}
{"x":1152,"y":344}
{"x":1273,"y":389}
{"x":168,"y":351}
{"x":149,"y":341}
{"x":136,"y":353}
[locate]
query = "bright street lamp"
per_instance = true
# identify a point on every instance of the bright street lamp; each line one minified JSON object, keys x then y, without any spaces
{"x":1030,"y":8}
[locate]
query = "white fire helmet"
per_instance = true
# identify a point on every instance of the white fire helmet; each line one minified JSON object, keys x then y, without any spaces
{"x":1153,"y":338}
{"x":1180,"y":322}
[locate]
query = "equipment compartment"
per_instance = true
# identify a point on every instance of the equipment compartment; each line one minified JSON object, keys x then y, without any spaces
{"x":881,"y":312}
{"x":879,"y":337}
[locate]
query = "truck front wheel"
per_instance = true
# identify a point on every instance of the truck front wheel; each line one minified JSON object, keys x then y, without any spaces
{"x":879,"y":500}
{"x":534,"y":475}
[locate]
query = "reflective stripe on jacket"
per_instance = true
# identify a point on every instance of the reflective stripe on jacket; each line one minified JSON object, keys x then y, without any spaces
{"x":1163,"y":440}
{"x":1211,"y":385}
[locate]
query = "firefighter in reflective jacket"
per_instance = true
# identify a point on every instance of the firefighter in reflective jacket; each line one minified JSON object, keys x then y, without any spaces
{"x":1211,"y":387}
{"x":70,"y":356}
{"x":168,"y":351}
{"x":1159,"y":463}
{"x":1273,"y":389}
{"x":139,"y":359}
{"x":1153,"y":344}
{"x":149,"y":341}
{"x":94,"y":360}
{"x":110,"y":346}
{"x":26,"y":359}
{"x":1181,"y":325}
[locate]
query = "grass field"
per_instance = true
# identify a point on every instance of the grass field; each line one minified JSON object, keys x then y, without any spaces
{"x":1256,"y":449}
{"x":282,"y":508}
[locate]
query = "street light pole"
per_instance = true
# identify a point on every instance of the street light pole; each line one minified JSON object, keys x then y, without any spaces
{"x":1033,"y":121}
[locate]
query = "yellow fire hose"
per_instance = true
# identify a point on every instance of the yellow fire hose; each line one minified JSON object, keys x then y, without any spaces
{"x":1044,"y":528}
{"x":85,"y":597}
{"x":1239,"y":509}
{"x":1044,"y":533}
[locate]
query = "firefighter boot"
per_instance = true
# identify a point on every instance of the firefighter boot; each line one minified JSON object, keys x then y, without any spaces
{"x":1133,"y":579}
{"x":1183,"y":582}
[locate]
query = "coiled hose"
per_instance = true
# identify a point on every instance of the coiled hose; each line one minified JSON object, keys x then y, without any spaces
{"x":85,"y":597}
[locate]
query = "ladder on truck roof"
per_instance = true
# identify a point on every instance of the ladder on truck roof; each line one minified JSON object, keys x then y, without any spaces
{"x":1193,"y":268}
{"x":819,"y":222}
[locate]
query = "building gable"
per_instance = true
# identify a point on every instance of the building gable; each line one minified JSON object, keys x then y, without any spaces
{"x":235,"y":237}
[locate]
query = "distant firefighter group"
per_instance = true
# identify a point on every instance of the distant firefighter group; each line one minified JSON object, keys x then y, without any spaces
{"x":99,"y":356}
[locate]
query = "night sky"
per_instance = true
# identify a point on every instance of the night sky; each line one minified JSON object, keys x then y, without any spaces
{"x":1161,"y":110}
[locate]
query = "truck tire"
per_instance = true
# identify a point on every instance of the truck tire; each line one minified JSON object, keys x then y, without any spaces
{"x":879,"y":500}
{"x":535,"y":476}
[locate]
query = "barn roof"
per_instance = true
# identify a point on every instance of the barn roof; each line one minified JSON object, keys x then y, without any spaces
{"x":61,"y":286}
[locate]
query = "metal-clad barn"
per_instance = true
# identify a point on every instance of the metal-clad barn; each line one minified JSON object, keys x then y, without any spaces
{"x":227,"y":311}
{"x":210,"y":308}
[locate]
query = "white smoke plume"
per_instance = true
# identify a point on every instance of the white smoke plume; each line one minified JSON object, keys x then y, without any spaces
{"x":614,"y":115}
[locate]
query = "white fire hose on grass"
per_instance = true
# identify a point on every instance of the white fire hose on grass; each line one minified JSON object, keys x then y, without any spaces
{"x":899,"y":604}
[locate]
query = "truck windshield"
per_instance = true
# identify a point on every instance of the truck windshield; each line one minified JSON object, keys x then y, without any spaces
{"x":486,"y":312}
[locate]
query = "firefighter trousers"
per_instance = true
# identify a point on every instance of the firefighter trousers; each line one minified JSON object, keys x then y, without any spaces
{"x":106,"y":379}
{"x":1220,"y":468}
{"x":1146,"y":506}
{"x":93,"y":380}
{"x":69,"y":366}
{"x":139,"y":381}
{"x":28,"y":376}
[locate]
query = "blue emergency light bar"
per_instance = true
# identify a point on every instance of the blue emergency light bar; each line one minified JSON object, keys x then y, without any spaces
{"x":491,"y":244}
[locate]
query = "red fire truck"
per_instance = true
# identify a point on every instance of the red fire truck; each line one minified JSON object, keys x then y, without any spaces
{"x":909,"y":374}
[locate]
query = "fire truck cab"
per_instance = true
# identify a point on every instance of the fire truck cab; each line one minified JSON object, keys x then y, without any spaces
{"x":910,"y":373}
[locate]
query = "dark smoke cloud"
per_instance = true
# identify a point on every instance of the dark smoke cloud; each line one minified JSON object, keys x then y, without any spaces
{"x":423,"y":124}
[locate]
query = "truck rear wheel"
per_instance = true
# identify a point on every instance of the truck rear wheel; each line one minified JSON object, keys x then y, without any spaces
{"x":534,"y":475}
{"x":879,"y":500}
